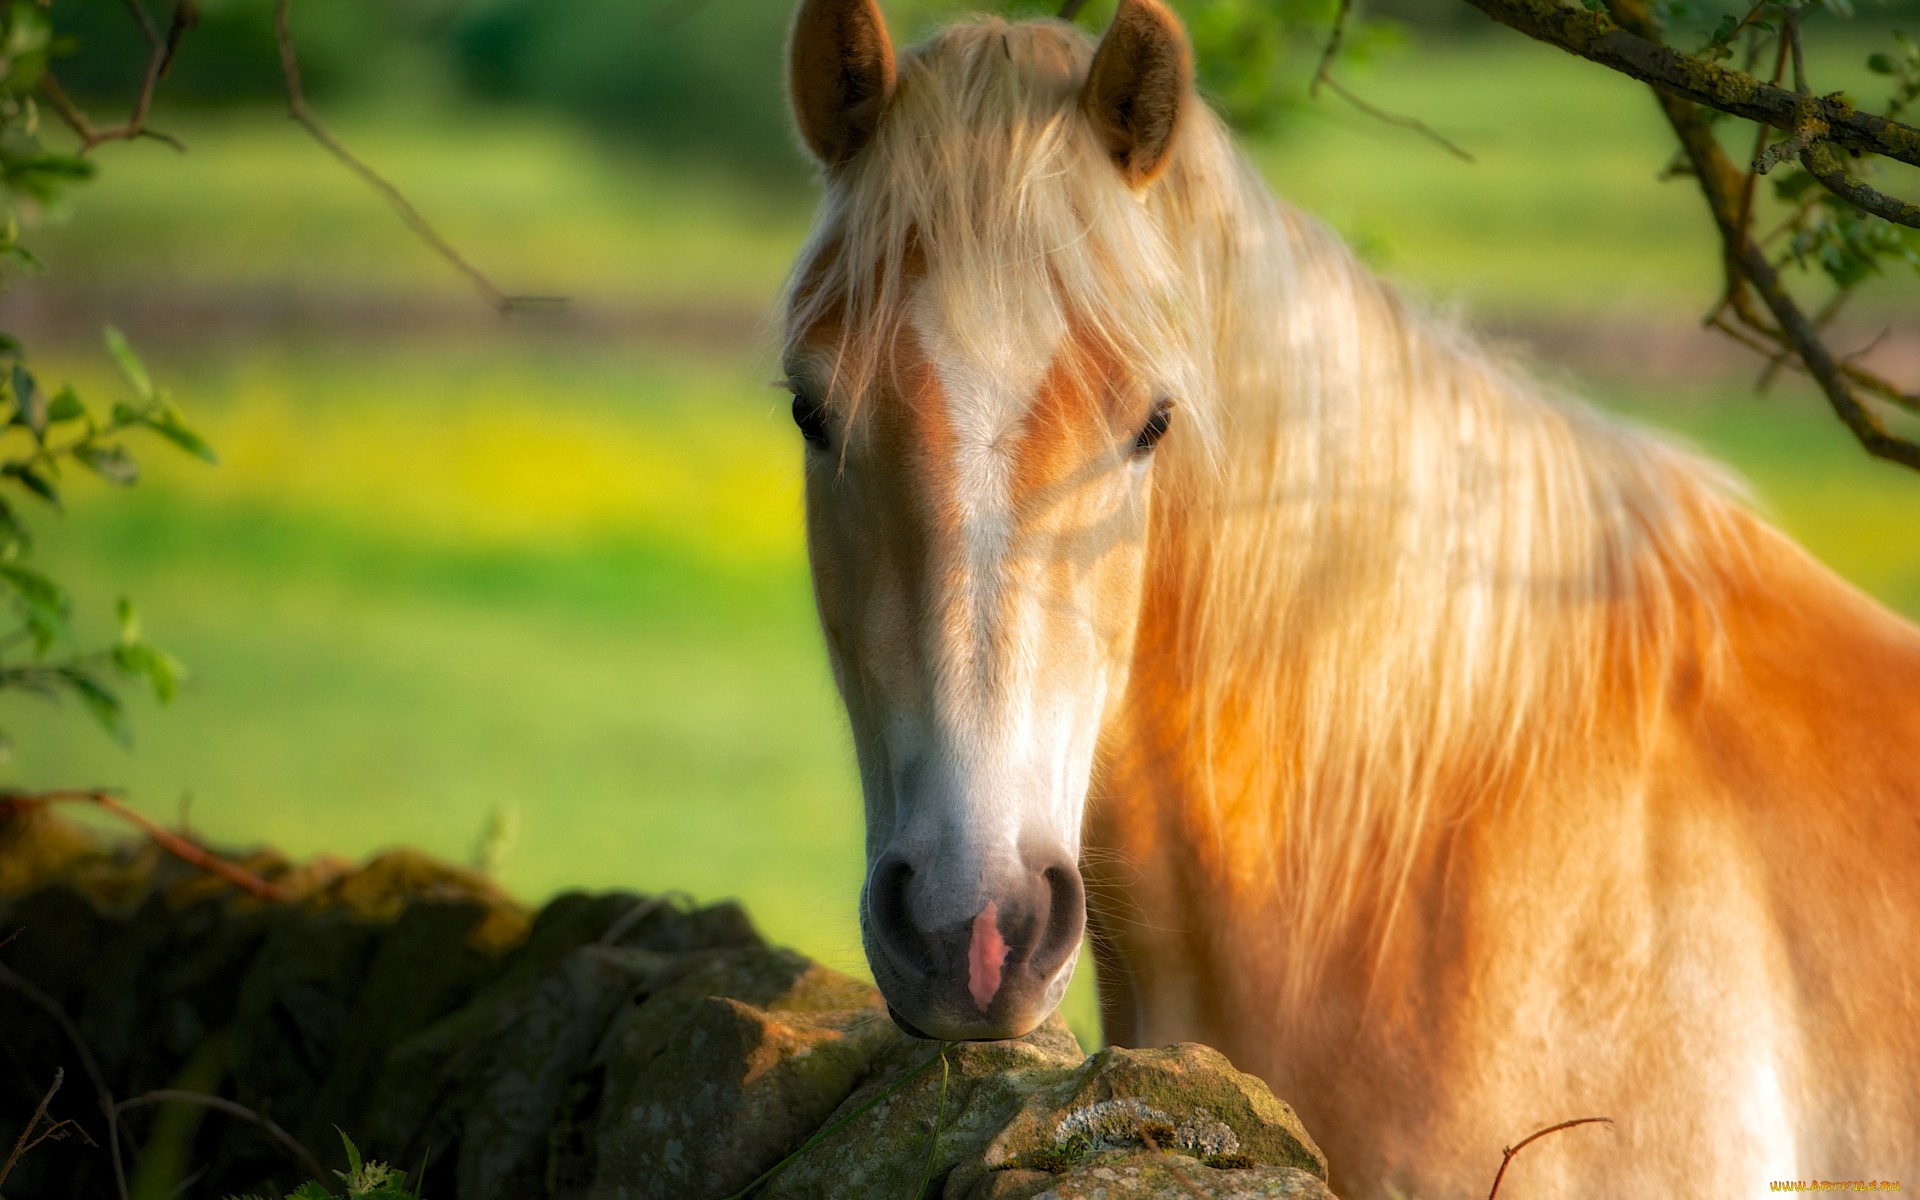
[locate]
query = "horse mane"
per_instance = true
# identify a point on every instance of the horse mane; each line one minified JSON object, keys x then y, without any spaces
{"x":1394,"y":576}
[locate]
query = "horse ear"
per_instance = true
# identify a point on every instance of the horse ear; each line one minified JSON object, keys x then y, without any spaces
{"x":839,"y":75}
{"x":1141,"y":78}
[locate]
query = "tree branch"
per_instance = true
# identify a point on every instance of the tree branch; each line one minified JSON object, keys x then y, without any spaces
{"x":1594,"y":37}
{"x":1747,"y":264}
{"x":160,"y":51}
{"x":1071,"y":9}
{"x":1824,"y":165}
{"x":301,"y":112}
{"x":167,"y":840}
{"x":1323,"y":75}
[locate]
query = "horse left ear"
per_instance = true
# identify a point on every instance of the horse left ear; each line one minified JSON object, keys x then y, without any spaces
{"x":839,"y":75}
{"x":1141,"y":79}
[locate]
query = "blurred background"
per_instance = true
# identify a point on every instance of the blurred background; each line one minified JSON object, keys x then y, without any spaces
{"x":531,"y":593}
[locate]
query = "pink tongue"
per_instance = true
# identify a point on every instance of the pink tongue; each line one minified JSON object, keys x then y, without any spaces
{"x":984,"y":957}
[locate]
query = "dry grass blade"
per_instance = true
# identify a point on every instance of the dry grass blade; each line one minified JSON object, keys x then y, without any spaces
{"x":272,"y":1128}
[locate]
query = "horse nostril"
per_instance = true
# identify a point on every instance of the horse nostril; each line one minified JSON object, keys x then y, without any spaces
{"x":893,"y":925}
{"x":1065,"y":918}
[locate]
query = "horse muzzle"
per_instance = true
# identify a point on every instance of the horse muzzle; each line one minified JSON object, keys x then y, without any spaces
{"x":993,"y":972}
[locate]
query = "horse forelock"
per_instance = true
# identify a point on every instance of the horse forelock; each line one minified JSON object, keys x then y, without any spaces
{"x":1391,"y":576}
{"x":985,"y":193}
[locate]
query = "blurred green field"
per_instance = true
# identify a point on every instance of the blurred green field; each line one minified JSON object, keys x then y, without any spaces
{"x":523,"y":571}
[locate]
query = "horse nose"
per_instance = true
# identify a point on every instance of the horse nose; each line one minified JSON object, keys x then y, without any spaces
{"x":973,"y":962}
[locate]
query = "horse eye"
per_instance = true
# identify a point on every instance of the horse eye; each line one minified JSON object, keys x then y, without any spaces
{"x":811,"y":417}
{"x":1154,"y":429}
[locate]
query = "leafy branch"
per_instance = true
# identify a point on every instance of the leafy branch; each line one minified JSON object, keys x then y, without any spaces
{"x":1837,"y":223}
{"x":44,"y":437}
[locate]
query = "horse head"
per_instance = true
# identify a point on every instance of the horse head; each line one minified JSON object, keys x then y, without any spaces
{"x":979,"y":352}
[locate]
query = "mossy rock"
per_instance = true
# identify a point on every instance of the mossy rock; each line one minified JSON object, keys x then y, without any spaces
{"x":891,"y":1145}
{"x":1185,"y":1100}
{"x":1149,"y":1176}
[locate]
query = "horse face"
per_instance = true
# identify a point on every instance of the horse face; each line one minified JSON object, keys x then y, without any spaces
{"x":977,"y":524}
{"x":977,"y":540}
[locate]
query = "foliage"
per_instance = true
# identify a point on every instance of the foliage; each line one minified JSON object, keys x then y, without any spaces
{"x":362,"y":1181}
{"x":49,"y":433}
{"x":1844,"y":224}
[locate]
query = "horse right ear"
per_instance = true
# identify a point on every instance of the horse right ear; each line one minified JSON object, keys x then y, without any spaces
{"x":1141,"y":79}
{"x":839,"y":75}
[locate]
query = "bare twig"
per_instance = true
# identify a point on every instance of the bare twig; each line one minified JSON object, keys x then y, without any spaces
{"x":166,"y":839}
{"x":1334,"y":38}
{"x":1506,"y":1155}
{"x":142,"y":18}
{"x":1323,"y":76}
{"x":1405,"y":122}
{"x":52,"y":1130}
{"x":90,"y":1064}
{"x":135,"y":126}
{"x":301,"y":112}
{"x":267,"y":1124}
{"x":1790,"y":27}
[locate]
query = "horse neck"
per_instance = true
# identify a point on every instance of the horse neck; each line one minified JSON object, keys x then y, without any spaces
{"x":1402,"y":580}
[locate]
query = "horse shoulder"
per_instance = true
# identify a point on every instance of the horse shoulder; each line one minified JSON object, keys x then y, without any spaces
{"x":1803,"y":750}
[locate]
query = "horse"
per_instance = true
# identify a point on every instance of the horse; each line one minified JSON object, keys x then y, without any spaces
{"x":1453,"y":757}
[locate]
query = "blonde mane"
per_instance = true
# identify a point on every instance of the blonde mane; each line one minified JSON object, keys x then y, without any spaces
{"x":1395,"y":577}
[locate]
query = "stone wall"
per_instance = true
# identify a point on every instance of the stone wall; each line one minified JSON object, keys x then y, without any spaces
{"x":606,"y":1046}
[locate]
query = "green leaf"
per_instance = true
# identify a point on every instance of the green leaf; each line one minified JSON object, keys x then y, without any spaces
{"x":65,"y":406}
{"x":310,"y":1190}
{"x":161,"y":670}
{"x":130,"y":365}
{"x":1881,"y":64}
{"x":43,"y":605}
{"x":31,"y":479}
{"x":111,"y":463}
{"x":353,"y":1151}
{"x":167,"y":424}
{"x":98,"y":700}
{"x":14,"y":535}
{"x":29,"y":403}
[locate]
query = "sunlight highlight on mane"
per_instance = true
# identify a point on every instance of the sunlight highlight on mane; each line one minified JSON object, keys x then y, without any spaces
{"x":1397,"y":578}
{"x":985,"y":180}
